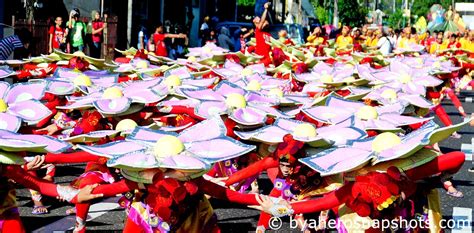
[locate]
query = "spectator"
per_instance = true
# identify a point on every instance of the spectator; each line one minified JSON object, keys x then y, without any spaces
{"x":142,"y":38}
{"x":204,"y":30}
{"x":9,"y":44}
{"x":224,"y":40}
{"x":77,"y":31}
{"x":211,"y":38}
{"x":383,"y":42}
{"x":57,"y":36}
{"x":97,"y":34}
{"x":157,"y":42}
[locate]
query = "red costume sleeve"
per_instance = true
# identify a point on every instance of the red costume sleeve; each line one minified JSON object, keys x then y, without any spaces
{"x":448,"y":163}
{"x":22,"y":177}
{"x":222,"y":193}
{"x":252,"y":170}
{"x":109,"y":190}
{"x":185,"y":110}
{"x":74,"y":157}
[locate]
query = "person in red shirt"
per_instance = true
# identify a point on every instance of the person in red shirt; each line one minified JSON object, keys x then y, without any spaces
{"x":453,"y":43}
{"x":97,"y":31}
{"x":57,"y":35}
{"x":262,"y":37}
{"x":158,"y":40}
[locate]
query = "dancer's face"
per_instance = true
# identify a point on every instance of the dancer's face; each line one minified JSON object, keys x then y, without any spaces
{"x":286,"y":168}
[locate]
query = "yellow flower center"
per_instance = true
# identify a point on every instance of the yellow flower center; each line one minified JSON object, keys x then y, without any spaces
{"x":3,"y":106}
{"x":277,"y":92}
{"x":349,"y":79}
{"x":173,"y":81}
{"x":389,"y":94}
{"x":326,"y":78}
{"x":126,"y":124}
{"x":437,"y":65}
{"x":82,"y":80}
{"x":142,"y":64}
{"x":192,"y":59}
{"x":367,"y":113}
{"x":207,"y":50}
{"x":235,"y":100}
{"x":305,"y":130}
{"x":167,"y":146}
{"x":254,"y":85}
{"x":79,"y":54}
{"x":385,"y":141}
{"x":112,"y":93}
{"x":405,"y":78}
{"x":246,"y":72}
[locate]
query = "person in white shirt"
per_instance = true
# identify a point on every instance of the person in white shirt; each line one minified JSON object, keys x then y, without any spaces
{"x":384,"y":44}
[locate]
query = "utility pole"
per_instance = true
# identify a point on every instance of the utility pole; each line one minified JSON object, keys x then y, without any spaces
{"x":336,"y":15}
{"x":129,"y":22}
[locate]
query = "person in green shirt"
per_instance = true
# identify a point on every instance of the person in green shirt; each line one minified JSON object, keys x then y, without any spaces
{"x":77,"y":31}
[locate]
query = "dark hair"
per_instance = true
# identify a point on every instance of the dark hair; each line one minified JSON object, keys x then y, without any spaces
{"x":24,"y":35}
{"x":454,"y":36}
{"x":78,"y":13}
{"x":412,"y":30}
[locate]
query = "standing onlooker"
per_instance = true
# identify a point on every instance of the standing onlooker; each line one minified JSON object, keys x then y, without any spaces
{"x":204,"y":30}
{"x":158,"y":41}
{"x":97,"y":34}
{"x":142,"y":38}
{"x":57,"y":36}
{"x":224,"y":40}
{"x":9,"y":44}
{"x":77,"y":31}
{"x":211,"y":38}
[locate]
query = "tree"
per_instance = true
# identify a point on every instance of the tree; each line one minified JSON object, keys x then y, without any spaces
{"x":351,"y":13}
{"x":246,"y":2}
{"x":395,"y":19}
{"x":322,"y":15}
{"x":30,"y":10}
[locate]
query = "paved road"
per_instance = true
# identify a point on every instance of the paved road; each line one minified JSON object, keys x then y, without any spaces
{"x":107,"y":216}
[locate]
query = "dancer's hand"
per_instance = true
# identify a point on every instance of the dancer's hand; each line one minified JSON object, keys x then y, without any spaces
{"x":50,"y":129}
{"x":85,"y":194}
{"x":35,"y":163}
{"x":265,"y":203}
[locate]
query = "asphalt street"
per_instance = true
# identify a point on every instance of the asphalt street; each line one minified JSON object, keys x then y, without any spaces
{"x":107,"y":216}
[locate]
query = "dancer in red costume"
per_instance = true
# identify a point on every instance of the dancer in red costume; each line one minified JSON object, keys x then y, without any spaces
{"x":279,"y":165}
{"x":360,"y":194}
{"x":9,"y":216}
{"x":262,"y":37}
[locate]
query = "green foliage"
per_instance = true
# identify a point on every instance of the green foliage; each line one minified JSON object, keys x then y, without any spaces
{"x":351,"y":13}
{"x":322,"y":14}
{"x":395,"y":19}
{"x":246,"y":2}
